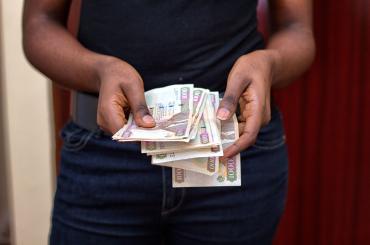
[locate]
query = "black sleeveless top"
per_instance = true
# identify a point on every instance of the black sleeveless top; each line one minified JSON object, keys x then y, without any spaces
{"x":173,"y":41}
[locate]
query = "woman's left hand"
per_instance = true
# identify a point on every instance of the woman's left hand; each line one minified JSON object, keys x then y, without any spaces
{"x":249,"y":84}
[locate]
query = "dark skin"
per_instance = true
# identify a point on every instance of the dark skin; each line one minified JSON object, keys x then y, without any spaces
{"x":53,"y":50}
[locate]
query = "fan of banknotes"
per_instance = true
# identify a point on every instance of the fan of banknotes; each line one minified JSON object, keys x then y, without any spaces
{"x":187,"y":137}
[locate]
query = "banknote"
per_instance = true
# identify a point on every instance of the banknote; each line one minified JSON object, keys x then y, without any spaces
{"x":187,"y":137}
{"x":207,"y":134}
{"x":228,"y":173}
{"x":229,"y":129}
{"x":204,"y":165}
{"x":203,"y":139}
{"x":172,"y":110}
{"x":188,"y":154}
{"x":200,"y":164}
{"x":200,"y":97}
{"x":210,"y":118}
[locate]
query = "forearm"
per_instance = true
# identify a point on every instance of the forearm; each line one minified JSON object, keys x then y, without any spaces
{"x":291,"y":45}
{"x":57,"y":54}
{"x":292,"y":50}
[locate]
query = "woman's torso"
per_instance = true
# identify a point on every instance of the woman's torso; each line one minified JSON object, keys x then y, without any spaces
{"x":178,"y":41}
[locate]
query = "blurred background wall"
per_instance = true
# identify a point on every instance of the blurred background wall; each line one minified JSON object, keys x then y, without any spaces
{"x":4,"y":200}
{"x":26,"y":143}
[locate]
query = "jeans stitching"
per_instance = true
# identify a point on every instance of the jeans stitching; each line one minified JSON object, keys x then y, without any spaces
{"x":68,"y":137}
{"x":74,"y":147}
{"x":166,"y":212}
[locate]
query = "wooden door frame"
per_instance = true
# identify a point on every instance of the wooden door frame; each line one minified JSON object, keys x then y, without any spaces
{"x":62,"y":96}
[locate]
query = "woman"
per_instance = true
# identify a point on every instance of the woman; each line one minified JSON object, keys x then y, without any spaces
{"x":107,"y":192}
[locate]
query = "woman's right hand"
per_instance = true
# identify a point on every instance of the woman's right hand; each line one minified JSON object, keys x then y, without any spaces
{"x":121,"y":89}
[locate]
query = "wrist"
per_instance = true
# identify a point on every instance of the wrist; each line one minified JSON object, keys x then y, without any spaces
{"x":275,"y":60}
{"x":102,"y":67}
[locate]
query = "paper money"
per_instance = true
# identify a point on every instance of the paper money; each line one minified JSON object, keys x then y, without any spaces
{"x":182,"y":155}
{"x":228,"y":173}
{"x":187,"y":137}
{"x":192,"y":160}
{"x":202,"y":140}
{"x":205,"y":165}
{"x":210,"y":116}
{"x":200,"y":97}
{"x":200,"y":127}
{"x":214,"y":134}
{"x":172,"y":110}
{"x":199,"y":165}
{"x":207,"y":134}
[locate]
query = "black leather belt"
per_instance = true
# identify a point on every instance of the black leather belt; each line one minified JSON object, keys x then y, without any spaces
{"x":84,"y":110}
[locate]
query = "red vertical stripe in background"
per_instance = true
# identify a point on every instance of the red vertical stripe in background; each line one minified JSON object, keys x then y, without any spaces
{"x":327,"y":121}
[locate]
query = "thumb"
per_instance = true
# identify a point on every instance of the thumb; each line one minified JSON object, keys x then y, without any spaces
{"x":110,"y":116}
{"x":139,"y":109}
{"x":142,"y":116}
{"x":230,"y":100}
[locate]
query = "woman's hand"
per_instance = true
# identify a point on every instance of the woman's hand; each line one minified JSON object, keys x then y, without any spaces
{"x":249,"y":84}
{"x":121,"y":90}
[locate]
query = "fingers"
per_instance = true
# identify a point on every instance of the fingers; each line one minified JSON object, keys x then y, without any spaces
{"x":141,"y":113}
{"x":248,"y":131}
{"x":227,"y":106}
{"x":121,"y":88}
{"x":111,"y":117}
{"x":114,"y":100}
{"x":235,"y":86}
{"x":111,"y":105}
{"x":247,"y":138}
{"x":135,"y":95}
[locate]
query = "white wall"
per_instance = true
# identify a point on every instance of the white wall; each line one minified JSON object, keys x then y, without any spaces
{"x":28,"y":140}
{"x":4,"y":200}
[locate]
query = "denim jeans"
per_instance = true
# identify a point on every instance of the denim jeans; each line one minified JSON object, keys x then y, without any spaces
{"x":109,"y":193}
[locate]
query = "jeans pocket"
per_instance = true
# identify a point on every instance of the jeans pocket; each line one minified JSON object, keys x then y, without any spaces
{"x":75,"y":138}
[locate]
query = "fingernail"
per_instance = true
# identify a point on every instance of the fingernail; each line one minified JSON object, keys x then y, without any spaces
{"x":223,"y":114}
{"x":148,"y":119}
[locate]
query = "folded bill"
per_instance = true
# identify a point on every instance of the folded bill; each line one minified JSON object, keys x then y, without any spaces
{"x":189,"y":154}
{"x":203,"y":139}
{"x":172,"y":110}
{"x":187,"y":137}
{"x":200,"y":97}
{"x":207,"y":135}
{"x":228,"y":173}
{"x":204,"y":165}
{"x":214,"y":134}
{"x":200,"y":127}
